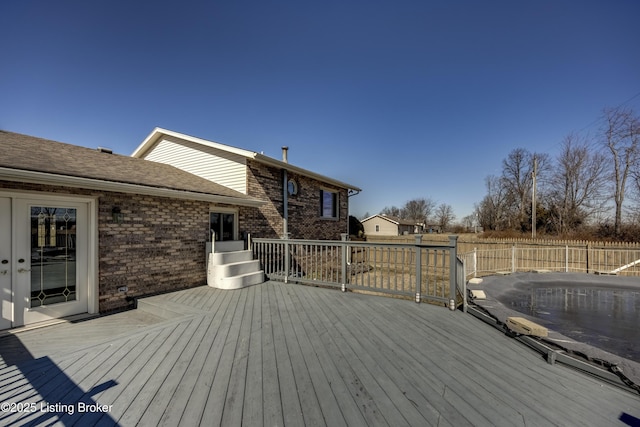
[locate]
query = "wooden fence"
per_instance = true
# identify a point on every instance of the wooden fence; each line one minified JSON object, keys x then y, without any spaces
{"x":485,"y":256}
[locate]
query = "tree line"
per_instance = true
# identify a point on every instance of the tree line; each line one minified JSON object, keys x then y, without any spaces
{"x":422,"y":211}
{"x":593,"y":183}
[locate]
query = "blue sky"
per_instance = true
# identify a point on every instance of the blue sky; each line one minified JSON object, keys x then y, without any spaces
{"x":403,"y":98}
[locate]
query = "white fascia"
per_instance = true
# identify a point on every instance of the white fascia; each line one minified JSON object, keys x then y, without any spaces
{"x":33,"y":177}
{"x":157,"y":133}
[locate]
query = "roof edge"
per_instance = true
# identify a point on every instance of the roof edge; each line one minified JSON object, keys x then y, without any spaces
{"x":34,"y":177}
{"x":289,"y":167}
{"x":386,"y":218}
{"x":157,"y":133}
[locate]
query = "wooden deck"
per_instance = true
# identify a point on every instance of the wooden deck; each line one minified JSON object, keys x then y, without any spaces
{"x":277,"y":354}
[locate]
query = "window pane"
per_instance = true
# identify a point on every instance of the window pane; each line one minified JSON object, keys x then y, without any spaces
{"x":53,"y":255}
{"x":215,"y":225}
{"x":227,"y":226}
{"x":223,"y":225}
{"x":328,"y":205}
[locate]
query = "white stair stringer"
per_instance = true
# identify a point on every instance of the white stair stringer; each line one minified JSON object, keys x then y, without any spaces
{"x":233,"y":270}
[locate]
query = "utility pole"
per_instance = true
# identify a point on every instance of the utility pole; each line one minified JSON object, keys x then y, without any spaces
{"x":533,"y":198}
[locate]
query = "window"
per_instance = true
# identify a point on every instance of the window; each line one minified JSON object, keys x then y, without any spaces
{"x":377,"y":228}
{"x":223,"y":225}
{"x":328,"y":204}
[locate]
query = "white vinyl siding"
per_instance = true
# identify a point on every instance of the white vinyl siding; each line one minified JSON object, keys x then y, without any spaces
{"x":379,"y":226}
{"x":219,"y":166}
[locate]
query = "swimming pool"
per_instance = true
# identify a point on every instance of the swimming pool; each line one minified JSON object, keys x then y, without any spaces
{"x":601,"y":311}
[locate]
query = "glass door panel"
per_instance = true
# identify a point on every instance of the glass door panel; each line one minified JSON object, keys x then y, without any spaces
{"x":222,"y":225}
{"x":227,"y":226}
{"x":53,"y":255}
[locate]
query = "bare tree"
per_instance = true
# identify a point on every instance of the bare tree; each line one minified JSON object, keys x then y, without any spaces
{"x":444,"y":216}
{"x":468,"y":221}
{"x":621,"y":139}
{"x":576,"y":184}
{"x":418,"y":210}
{"x":391,"y":211}
{"x":517,"y":179}
{"x":492,"y":210}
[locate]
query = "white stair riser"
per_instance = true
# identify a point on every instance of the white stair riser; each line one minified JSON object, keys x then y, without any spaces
{"x":237,"y":282}
{"x":236,"y":269}
{"x":232,"y":257}
{"x":233,"y":270}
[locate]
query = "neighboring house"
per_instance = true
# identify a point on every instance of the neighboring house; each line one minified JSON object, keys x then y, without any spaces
{"x":304,"y":204}
{"x":432,"y":228}
{"x":386,"y":225}
{"x":88,"y":231}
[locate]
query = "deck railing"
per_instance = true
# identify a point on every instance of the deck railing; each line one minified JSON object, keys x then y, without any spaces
{"x":420,"y":272}
{"x":554,"y":258}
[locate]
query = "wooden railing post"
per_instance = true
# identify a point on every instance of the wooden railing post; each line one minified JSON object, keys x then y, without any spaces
{"x":453,"y":271}
{"x":286,"y":258}
{"x":418,"y":266}
{"x":343,"y":266}
{"x":475,"y":262}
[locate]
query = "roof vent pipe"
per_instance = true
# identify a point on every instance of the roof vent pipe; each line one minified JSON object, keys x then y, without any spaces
{"x":285,"y":149}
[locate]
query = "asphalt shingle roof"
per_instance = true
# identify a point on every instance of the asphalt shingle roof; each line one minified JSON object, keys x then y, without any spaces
{"x":28,"y":153}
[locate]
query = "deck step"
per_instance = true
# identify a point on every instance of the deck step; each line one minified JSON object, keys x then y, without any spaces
{"x":233,"y":270}
{"x":242,"y":280}
{"x":232,"y":257}
{"x":237,"y":268}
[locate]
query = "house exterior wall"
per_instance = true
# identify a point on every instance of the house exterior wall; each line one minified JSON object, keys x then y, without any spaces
{"x":386,"y":227}
{"x":304,"y":221}
{"x":159,"y":246}
{"x":260,"y":181}
{"x":406,"y":229}
{"x":216,"y":165}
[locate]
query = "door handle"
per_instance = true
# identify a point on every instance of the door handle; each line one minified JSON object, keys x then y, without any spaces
{"x":23,"y":270}
{"x":3,"y":272}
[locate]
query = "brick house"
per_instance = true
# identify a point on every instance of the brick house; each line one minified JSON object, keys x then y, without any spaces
{"x":85,"y":231}
{"x":88,"y":231}
{"x":302,"y":203}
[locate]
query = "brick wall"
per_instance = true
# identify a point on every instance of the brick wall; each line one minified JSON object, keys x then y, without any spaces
{"x":159,"y":246}
{"x":265,"y":183}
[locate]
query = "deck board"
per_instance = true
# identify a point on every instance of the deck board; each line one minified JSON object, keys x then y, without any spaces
{"x":442,"y":364}
{"x":252,"y":410}
{"x":328,"y":406}
{"x":278,"y":354}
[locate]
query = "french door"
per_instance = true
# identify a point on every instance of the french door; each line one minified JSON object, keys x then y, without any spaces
{"x":44,"y":259}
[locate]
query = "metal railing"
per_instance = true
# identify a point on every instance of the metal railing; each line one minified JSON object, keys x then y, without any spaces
{"x":420,"y":272}
{"x":554,"y":258}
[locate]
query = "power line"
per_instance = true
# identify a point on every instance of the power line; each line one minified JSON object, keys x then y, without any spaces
{"x":601,"y":118}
